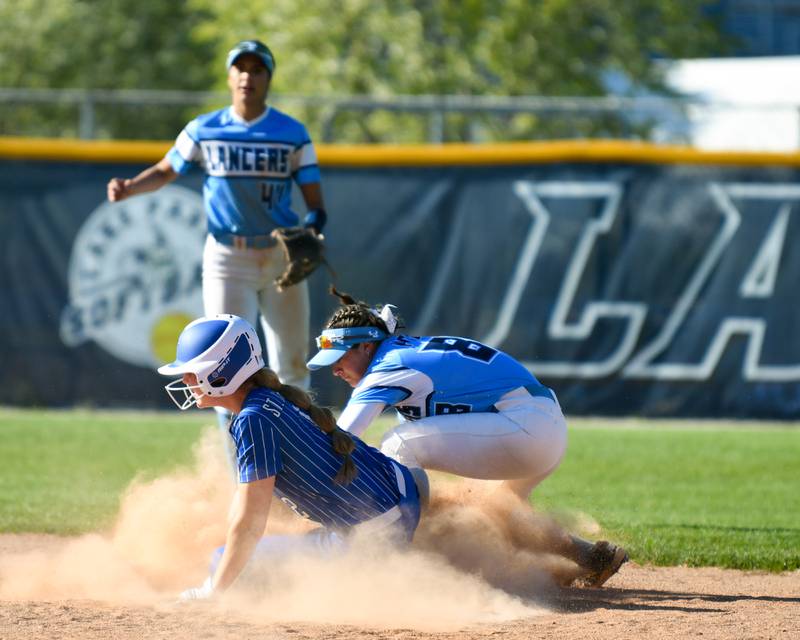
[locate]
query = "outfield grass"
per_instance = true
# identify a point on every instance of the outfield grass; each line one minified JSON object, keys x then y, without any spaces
{"x":720,"y":494}
{"x":712,"y":495}
{"x":63,"y":472}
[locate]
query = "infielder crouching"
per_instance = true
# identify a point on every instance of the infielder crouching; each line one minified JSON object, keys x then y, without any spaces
{"x":466,"y":408}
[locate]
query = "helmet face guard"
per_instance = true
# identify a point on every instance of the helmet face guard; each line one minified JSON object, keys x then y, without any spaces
{"x":183,"y":395}
{"x":222,"y":351}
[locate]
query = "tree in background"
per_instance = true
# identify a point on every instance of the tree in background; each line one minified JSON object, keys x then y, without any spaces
{"x":113,"y":44}
{"x":380,"y":48}
{"x":468,"y":47}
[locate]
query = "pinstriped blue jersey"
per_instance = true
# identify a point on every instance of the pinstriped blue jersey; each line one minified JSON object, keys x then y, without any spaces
{"x":249,"y":168}
{"x":275,"y":438}
{"x":438,"y":375}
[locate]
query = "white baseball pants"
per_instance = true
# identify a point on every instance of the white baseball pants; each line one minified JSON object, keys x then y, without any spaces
{"x":240,"y":282}
{"x":522,"y":444}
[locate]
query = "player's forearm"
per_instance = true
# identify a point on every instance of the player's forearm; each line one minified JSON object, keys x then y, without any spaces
{"x":152,"y":178}
{"x":243,"y":536}
{"x":312,"y":195}
{"x":249,"y":517}
{"x":357,"y":417}
{"x":317,"y":216}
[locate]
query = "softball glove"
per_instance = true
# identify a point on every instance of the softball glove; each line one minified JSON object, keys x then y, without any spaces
{"x":303,"y":249}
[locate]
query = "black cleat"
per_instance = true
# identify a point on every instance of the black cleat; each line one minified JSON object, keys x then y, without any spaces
{"x":605,"y":559}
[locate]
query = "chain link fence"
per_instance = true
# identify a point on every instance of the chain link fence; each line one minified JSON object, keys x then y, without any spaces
{"x":159,"y":115}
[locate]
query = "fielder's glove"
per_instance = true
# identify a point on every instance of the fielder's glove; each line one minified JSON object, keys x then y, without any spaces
{"x":203,"y":592}
{"x":303,"y":249}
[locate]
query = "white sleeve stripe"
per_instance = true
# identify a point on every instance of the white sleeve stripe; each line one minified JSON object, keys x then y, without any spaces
{"x":250,"y":429}
{"x":357,"y":416}
{"x":304,"y":156}
{"x":188,"y":148}
{"x":275,"y":452}
{"x":410,"y":379}
{"x":264,"y":453}
{"x":256,"y":474}
{"x":267,"y":468}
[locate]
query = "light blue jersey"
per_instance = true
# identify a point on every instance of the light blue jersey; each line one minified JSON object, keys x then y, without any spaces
{"x":249,"y":168}
{"x":439,"y":375}
{"x":275,"y":438}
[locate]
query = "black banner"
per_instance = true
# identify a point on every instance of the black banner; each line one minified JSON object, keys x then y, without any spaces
{"x":632,"y":289}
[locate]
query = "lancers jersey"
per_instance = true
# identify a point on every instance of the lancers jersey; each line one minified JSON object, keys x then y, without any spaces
{"x":249,"y":168}
{"x":439,"y":375}
{"x":275,"y":438}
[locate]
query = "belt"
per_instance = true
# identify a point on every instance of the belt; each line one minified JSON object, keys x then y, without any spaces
{"x":246,"y":242}
{"x":387,"y":517}
{"x":532,"y":391}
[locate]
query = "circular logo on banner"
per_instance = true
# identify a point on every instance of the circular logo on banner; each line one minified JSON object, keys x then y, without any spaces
{"x":134,"y":275}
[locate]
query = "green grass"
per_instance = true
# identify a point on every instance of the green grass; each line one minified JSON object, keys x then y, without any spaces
{"x":63,"y":472}
{"x":713,"y":495}
{"x":719,"y":494}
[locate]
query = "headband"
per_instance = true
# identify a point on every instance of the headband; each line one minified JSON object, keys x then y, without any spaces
{"x":345,"y":338}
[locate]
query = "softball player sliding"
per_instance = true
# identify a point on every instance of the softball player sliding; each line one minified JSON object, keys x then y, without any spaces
{"x":288,"y":447}
{"x":250,"y":153}
{"x":467,"y":409}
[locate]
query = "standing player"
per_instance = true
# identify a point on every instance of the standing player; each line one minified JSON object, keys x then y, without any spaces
{"x":467,"y":409}
{"x":288,"y":447}
{"x":251,"y":153}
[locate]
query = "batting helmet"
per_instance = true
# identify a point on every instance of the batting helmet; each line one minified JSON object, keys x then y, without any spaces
{"x":222,"y":351}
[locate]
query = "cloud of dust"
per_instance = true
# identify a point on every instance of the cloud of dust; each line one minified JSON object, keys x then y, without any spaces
{"x":373,"y":586}
{"x":164,"y":534}
{"x":481,"y":529}
{"x":480,"y":555}
{"x":167,"y":528}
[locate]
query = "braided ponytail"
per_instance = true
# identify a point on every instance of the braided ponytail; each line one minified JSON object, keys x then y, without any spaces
{"x":344,"y":298}
{"x":355,"y":313}
{"x":341,"y":442}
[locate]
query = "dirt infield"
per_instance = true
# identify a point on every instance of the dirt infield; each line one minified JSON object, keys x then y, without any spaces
{"x":481,"y":566}
{"x":639,"y":602}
